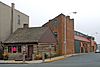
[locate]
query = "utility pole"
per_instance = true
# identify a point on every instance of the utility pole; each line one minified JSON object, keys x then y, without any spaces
{"x":65,"y":43}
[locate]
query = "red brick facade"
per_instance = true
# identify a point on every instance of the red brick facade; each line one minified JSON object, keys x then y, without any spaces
{"x":84,"y":43}
{"x":57,"y":25}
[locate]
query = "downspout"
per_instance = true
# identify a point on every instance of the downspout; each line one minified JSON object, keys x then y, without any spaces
{"x":65,"y":28}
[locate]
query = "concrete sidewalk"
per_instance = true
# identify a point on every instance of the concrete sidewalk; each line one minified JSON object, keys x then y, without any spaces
{"x":19,"y":62}
{"x":37,"y":61}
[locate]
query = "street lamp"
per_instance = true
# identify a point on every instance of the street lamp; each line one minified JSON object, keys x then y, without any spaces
{"x":65,"y":42}
{"x":74,"y":12}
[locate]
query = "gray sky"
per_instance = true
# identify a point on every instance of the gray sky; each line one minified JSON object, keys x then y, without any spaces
{"x":87,"y":19}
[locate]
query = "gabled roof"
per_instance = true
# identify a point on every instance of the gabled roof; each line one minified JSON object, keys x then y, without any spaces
{"x":26,"y":35}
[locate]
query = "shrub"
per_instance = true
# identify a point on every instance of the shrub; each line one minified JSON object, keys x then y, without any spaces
{"x":5,"y":56}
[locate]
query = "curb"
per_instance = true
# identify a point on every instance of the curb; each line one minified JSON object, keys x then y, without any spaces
{"x":53,"y":60}
{"x":14,"y":63}
{"x":62,"y":58}
{"x":20,"y":62}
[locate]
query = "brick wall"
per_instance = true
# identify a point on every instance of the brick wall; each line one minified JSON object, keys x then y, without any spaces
{"x":70,"y":35}
{"x":57,"y":26}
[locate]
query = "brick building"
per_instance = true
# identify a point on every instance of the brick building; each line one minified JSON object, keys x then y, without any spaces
{"x":63,"y":29}
{"x":76,"y":42}
{"x":84,"y":43}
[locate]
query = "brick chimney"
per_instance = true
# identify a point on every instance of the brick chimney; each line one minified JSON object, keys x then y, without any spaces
{"x":12,"y":16}
{"x":25,"y":26}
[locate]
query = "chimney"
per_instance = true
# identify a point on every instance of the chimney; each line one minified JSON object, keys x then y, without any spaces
{"x":12,"y":15}
{"x":72,"y":20}
{"x":25,"y":26}
{"x":68,"y":17}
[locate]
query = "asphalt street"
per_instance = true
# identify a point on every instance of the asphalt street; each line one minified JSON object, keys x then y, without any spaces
{"x":86,"y":60}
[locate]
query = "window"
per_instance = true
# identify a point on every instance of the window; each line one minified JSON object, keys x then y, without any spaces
{"x":19,"y":49}
{"x":9,"y":49}
{"x":55,"y":34}
{"x":75,"y":33}
{"x":18,"y":19}
{"x":14,"y":49}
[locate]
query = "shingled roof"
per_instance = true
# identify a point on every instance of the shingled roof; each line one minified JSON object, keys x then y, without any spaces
{"x":25,"y":35}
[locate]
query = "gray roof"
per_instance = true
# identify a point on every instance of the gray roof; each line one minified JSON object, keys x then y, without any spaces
{"x":25,"y":35}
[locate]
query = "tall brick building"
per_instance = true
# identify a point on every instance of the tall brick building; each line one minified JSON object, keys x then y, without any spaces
{"x":62,"y":26}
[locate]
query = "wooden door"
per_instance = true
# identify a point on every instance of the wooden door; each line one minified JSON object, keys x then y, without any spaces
{"x":30,"y":51}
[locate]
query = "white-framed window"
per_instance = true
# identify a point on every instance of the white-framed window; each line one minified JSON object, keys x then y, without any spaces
{"x":18,"y":19}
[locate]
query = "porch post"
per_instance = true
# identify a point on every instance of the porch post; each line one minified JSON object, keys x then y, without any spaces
{"x":24,"y":51}
{"x":50,"y":46}
{"x":33,"y":54}
{"x":43,"y":57}
{"x":23,"y":56}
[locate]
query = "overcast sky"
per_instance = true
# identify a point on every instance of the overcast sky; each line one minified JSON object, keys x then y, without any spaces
{"x":87,"y":19}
